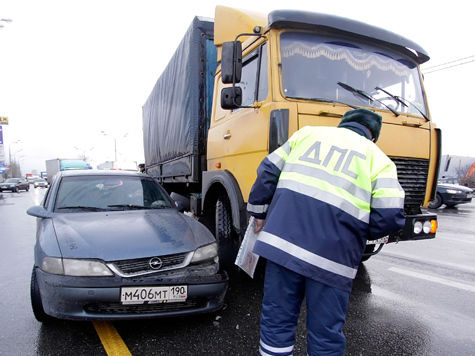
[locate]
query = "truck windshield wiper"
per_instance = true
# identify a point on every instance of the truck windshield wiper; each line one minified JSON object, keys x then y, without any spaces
{"x":82,"y":207}
{"x":365,"y":95}
{"x":402,"y":101}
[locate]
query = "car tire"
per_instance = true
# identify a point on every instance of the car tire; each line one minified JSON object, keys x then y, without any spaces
{"x":27,"y":188}
{"x":16,"y":190}
{"x":227,"y":238}
{"x":437,"y":202}
{"x":36,"y":303}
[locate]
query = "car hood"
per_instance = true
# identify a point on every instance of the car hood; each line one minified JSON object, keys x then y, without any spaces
{"x":121,"y":235}
{"x":454,"y":186}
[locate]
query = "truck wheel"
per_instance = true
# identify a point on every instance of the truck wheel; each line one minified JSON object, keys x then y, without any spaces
{"x":226,"y":237}
{"x":436,"y":203}
{"x":36,"y":303}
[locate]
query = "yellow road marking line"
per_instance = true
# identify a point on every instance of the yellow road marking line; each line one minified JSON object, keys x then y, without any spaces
{"x":110,"y":338}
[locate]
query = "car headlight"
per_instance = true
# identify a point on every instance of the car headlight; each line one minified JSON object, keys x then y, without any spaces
{"x":453,"y":191}
{"x":205,"y":253}
{"x":75,"y":267}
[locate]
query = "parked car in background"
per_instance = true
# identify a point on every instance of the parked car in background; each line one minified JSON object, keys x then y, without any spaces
{"x":14,"y":185}
{"x":451,"y":194}
{"x":40,"y":182}
{"x":32,"y":179}
{"x":113,"y":245}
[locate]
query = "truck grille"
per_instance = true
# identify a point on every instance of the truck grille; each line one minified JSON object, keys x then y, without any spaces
{"x":412,"y":175}
{"x":142,"y":265}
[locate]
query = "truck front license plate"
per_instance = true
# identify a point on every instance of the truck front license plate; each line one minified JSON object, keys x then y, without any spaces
{"x":162,"y":294}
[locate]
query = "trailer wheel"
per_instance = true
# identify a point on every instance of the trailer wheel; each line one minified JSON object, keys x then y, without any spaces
{"x":227,"y":238}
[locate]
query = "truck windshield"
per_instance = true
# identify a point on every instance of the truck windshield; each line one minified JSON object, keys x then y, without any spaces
{"x":313,"y":65}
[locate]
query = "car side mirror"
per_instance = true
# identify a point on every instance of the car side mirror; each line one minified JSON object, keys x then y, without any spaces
{"x":180,"y":206}
{"x":231,"y":62}
{"x":39,"y":212}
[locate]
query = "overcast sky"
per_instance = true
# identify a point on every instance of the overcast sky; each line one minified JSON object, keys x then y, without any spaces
{"x":71,"y":69}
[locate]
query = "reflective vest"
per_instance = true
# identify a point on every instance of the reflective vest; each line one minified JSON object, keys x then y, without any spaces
{"x":324,"y":193}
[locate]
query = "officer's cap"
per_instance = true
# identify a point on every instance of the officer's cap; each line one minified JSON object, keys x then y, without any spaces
{"x":367,"y":118}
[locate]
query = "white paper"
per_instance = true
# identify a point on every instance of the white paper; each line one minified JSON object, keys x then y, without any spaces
{"x":246,"y":259}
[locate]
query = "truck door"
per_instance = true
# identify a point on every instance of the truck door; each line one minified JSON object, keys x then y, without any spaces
{"x":238,"y":139}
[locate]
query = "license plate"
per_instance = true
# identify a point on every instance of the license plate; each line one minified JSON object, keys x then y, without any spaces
{"x":162,"y":294}
{"x":382,"y":240}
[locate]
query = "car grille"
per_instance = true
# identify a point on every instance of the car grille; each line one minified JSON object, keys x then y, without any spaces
{"x":412,"y":175}
{"x":142,"y":265}
{"x":118,"y":308}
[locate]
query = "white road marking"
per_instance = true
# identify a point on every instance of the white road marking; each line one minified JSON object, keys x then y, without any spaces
{"x":458,"y":266}
{"x":426,"y":277}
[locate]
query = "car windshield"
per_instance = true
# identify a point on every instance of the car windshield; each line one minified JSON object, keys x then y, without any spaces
{"x":97,"y":193}
{"x":12,"y":180}
{"x":314,"y":65}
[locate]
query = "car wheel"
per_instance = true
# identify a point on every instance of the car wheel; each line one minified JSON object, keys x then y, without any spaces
{"x":16,"y":190}
{"x":227,"y":238}
{"x":36,"y":303}
{"x":27,"y":188}
{"x":436,"y":203}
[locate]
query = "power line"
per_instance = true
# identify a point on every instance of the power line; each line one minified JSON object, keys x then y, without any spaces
{"x":443,"y":64}
{"x":452,"y":66}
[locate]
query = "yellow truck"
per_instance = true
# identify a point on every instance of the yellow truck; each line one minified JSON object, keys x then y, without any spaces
{"x":239,"y":85}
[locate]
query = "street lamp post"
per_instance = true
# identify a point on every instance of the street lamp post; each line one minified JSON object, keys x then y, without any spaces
{"x":115,"y":146}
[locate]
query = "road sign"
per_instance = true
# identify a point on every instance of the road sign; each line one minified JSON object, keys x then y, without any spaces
{"x":3,"y":120}
{"x":1,"y":136}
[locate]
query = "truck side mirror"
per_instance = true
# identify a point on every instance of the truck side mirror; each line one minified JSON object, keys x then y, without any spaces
{"x":231,"y":62}
{"x":231,"y":98}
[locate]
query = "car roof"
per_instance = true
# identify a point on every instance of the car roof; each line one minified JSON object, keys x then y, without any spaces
{"x":99,"y":172}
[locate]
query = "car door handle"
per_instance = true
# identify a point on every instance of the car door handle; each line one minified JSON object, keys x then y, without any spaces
{"x":227,"y":135}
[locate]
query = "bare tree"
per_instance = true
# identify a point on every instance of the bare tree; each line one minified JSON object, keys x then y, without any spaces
{"x":466,"y":176}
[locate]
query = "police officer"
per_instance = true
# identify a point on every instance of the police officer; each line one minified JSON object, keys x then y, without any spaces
{"x":318,"y":199}
{"x":142,"y":168}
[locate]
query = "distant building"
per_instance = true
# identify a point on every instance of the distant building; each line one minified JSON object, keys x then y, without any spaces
{"x":455,"y":166}
{"x":106,"y":165}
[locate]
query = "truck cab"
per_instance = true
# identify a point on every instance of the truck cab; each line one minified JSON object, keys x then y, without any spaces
{"x":296,"y":69}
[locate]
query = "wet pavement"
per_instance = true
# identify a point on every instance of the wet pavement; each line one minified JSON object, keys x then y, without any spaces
{"x":414,"y":298}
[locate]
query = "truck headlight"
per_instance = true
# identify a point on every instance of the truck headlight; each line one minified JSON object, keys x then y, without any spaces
{"x":205,"y":253}
{"x":417,"y":227}
{"x":427,"y":227}
{"x":75,"y":267}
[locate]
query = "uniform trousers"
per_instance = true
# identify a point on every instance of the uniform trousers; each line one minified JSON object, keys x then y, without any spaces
{"x":327,"y":306}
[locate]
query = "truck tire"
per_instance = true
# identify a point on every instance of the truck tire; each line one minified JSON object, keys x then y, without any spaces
{"x":227,"y":238}
{"x":36,"y":303}
{"x":436,"y":203}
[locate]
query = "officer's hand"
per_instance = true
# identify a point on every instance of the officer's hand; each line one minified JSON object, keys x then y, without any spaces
{"x":259,"y":225}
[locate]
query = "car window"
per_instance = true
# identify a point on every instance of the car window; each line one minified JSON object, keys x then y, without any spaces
{"x":109,"y":193}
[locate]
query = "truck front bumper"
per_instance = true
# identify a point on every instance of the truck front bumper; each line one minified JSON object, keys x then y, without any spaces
{"x":416,"y":228}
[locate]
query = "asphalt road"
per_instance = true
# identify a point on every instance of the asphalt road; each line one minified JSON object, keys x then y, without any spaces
{"x":414,"y":298}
